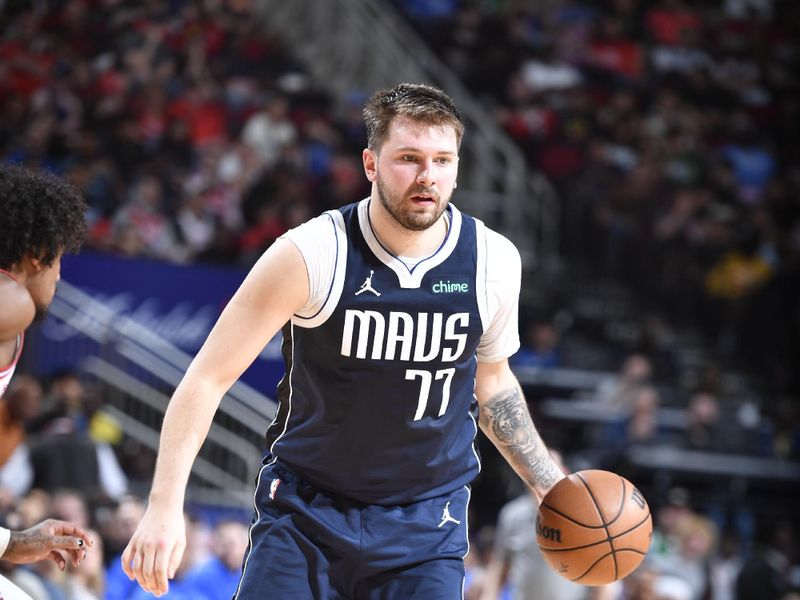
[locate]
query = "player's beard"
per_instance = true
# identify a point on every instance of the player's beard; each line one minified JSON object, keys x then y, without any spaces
{"x":403,"y":211}
{"x":41,"y":313}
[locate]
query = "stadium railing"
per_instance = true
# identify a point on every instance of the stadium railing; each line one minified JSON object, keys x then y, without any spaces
{"x":137,"y":371}
{"x":365,"y":45}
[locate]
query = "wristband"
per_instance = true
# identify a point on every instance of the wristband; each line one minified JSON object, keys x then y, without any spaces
{"x":5,"y":536}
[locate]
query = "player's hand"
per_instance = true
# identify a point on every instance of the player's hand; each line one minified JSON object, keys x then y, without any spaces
{"x":156,"y":549}
{"x":51,"y":539}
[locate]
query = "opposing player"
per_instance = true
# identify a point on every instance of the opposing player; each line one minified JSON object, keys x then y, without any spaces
{"x":41,"y":217}
{"x":400,"y":313}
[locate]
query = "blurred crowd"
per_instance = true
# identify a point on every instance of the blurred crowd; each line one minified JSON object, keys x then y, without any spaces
{"x":63,"y":456}
{"x":689,"y":559}
{"x":209,"y":570}
{"x":667,"y":127}
{"x":191,"y":131}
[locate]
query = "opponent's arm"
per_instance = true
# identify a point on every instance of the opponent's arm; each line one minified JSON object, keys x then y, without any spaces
{"x":505,"y":419}
{"x":273,"y":291}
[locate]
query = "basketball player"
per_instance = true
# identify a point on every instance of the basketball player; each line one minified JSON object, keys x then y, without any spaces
{"x":41,"y":217}
{"x":400,"y":313}
{"x":517,"y":560}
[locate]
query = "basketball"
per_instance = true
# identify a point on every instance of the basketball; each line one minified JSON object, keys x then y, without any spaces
{"x":594,"y":527}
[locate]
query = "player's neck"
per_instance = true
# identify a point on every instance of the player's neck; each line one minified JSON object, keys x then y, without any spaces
{"x":401,"y":241}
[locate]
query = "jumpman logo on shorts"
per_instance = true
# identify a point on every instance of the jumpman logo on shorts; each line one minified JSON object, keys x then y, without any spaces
{"x":446,"y":517}
{"x":367,"y":286}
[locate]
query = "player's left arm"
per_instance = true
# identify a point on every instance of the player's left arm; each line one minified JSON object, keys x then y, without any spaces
{"x":505,"y":419}
{"x":504,"y":414}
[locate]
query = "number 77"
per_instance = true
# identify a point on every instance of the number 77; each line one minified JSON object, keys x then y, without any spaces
{"x":426,"y":377}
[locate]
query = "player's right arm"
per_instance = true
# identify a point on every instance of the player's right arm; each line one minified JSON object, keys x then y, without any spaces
{"x":275,"y":289}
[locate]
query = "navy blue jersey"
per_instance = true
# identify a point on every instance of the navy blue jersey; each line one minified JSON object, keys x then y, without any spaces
{"x":378,"y":402}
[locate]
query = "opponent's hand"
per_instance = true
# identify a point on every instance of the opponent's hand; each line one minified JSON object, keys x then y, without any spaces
{"x":55,"y":540}
{"x":156,"y":549}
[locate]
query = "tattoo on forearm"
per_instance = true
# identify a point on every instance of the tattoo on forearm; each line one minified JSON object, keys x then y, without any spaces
{"x":506,"y":416}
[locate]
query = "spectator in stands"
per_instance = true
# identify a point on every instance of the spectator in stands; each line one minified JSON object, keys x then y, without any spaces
{"x":638,"y":425}
{"x":270,"y":130}
{"x":731,"y":282}
{"x":18,"y":405}
{"x":64,"y":399}
{"x":703,"y":426}
{"x":65,"y":457}
{"x":724,"y":567}
{"x":218,"y":577}
{"x":768,"y":572}
{"x":783,"y":431}
{"x":70,"y":505}
{"x":668,"y":521}
{"x":696,"y":537}
{"x":619,"y":391}
{"x":144,"y":223}
{"x":540,"y":347}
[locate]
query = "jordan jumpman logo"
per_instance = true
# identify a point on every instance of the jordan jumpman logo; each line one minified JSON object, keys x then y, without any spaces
{"x":446,"y":517}
{"x":367,"y":286}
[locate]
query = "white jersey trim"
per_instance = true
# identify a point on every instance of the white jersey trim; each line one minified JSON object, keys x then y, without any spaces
{"x":480,"y":275}
{"x":5,"y":536}
{"x":315,"y":314}
{"x":409,"y":277}
{"x":291,"y":393}
{"x":7,"y":372}
{"x":250,"y":530}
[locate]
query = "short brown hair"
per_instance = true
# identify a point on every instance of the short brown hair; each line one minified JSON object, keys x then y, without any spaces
{"x":419,"y":102}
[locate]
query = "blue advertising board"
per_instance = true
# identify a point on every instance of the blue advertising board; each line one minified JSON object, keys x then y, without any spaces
{"x":179,"y":303}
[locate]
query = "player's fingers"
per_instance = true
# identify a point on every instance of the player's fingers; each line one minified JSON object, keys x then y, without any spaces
{"x":66,"y":542}
{"x":68,"y":530}
{"x":56,"y":557}
{"x":175,"y":558}
{"x":76,"y":556}
{"x":160,"y":569}
{"x":136,"y":567}
{"x":126,"y":560}
{"x":148,"y":568}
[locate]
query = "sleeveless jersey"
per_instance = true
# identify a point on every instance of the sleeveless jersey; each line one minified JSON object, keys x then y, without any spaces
{"x":378,"y":402}
{"x":7,"y":371}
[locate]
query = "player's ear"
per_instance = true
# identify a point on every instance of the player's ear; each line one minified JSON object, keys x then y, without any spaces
{"x":33,"y":264}
{"x":370,"y":159}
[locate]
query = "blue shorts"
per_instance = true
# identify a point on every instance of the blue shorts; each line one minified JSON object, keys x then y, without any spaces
{"x":308,"y":544}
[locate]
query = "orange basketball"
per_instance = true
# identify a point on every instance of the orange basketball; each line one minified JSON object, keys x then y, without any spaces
{"x":594,"y":527}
